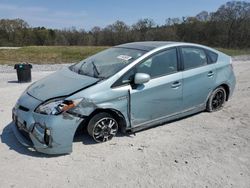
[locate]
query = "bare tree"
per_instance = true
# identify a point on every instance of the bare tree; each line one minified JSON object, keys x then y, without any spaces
{"x":230,"y":17}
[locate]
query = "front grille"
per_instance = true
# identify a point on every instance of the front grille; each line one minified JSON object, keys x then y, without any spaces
{"x":24,"y":133}
{"x":23,"y":108}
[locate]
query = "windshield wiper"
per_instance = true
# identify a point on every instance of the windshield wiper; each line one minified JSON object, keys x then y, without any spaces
{"x":95,"y":68}
{"x":80,"y":69}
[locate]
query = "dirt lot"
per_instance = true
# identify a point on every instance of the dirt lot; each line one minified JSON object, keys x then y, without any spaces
{"x":205,"y":150}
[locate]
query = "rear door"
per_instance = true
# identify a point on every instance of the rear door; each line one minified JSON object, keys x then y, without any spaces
{"x":198,"y":76}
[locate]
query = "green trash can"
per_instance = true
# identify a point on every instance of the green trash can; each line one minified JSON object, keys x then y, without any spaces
{"x":23,"y":72}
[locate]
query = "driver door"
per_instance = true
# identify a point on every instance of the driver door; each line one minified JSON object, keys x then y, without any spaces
{"x":162,"y":95}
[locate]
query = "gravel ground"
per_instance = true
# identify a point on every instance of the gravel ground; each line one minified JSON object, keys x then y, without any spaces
{"x":241,"y":58}
{"x":35,"y":68}
{"x":204,"y":150}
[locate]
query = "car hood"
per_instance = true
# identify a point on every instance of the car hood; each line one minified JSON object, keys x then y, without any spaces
{"x":61,"y":83}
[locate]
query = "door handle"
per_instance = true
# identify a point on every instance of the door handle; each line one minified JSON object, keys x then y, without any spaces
{"x":176,"y":84}
{"x":210,"y":73}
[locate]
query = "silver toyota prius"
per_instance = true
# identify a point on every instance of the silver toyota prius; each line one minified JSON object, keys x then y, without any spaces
{"x":125,"y":88}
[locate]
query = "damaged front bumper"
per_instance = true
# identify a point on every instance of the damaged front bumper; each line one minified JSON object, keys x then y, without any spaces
{"x":50,"y":134}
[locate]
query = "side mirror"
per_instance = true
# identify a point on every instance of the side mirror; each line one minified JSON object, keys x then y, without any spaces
{"x":141,"y":78}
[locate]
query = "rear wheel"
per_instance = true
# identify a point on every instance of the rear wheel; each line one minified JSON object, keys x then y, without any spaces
{"x":217,"y":99}
{"x":102,"y":127}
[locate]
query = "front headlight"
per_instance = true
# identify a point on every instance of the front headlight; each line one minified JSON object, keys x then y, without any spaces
{"x":57,"y":106}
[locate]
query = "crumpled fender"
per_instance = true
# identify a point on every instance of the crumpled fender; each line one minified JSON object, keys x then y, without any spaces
{"x":119,"y":103}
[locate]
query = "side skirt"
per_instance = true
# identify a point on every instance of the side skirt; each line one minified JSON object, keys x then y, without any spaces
{"x":160,"y":121}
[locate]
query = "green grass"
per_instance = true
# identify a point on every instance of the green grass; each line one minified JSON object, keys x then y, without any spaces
{"x":234,"y":52}
{"x":66,"y":54}
{"x":48,"y":54}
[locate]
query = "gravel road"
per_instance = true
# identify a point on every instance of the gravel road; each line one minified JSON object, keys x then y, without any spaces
{"x":204,"y":150}
{"x":35,"y":68}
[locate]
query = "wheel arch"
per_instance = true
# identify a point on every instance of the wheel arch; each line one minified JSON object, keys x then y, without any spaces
{"x":115,"y":113}
{"x":227,"y":88}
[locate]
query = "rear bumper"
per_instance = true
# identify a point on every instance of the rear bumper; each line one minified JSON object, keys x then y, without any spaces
{"x":232,"y":85}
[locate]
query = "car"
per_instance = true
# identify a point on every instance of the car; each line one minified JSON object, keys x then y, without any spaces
{"x":127,"y":88}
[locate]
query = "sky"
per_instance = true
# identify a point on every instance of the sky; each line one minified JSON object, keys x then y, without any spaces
{"x":85,"y":14}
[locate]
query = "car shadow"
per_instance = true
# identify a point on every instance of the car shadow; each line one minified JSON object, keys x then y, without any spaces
{"x":17,"y":82}
{"x":83,"y":136}
{"x":168,"y":122}
{"x":8,"y":138}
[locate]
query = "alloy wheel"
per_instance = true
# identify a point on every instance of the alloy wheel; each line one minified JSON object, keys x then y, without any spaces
{"x":218,"y":99}
{"x":105,"y":129}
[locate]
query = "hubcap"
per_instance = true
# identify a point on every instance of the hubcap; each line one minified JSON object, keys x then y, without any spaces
{"x":218,"y":99}
{"x":105,"y":129}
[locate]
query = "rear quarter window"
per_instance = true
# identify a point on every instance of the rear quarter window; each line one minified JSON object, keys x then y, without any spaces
{"x":213,"y":57}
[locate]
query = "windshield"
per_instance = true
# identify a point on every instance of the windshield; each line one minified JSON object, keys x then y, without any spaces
{"x":106,"y":63}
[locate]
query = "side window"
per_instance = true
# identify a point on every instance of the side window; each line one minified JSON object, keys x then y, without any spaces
{"x":128,"y":77}
{"x":193,"y":57}
{"x":160,"y":64}
{"x":125,"y":79}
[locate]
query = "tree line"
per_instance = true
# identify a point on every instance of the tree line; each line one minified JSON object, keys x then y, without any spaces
{"x":227,"y":27}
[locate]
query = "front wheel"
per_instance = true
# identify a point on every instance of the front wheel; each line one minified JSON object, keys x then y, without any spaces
{"x":102,"y":127}
{"x":217,"y":99}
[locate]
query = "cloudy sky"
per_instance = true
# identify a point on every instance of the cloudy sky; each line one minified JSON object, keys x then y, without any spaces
{"x":86,"y":14}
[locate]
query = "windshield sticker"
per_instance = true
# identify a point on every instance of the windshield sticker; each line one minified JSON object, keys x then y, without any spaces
{"x":124,"y":57}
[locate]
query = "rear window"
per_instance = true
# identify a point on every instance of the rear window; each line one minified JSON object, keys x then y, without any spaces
{"x":212,"y":56}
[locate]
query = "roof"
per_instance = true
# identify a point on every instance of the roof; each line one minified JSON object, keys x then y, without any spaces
{"x":146,"y":46}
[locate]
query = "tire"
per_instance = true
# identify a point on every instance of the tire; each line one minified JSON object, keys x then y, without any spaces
{"x":102,"y":127}
{"x":217,"y":99}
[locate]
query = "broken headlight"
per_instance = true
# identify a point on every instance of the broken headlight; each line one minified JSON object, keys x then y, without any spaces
{"x":57,"y":106}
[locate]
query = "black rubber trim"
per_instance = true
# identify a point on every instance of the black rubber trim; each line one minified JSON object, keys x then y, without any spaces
{"x":23,"y":108}
{"x":77,"y":115}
